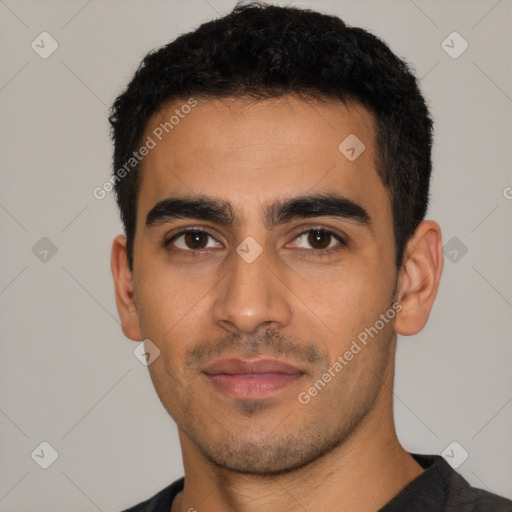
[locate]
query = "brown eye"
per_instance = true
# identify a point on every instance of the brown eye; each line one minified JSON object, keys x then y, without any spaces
{"x":191,"y":240}
{"x":319,"y":239}
{"x":195,"y":239}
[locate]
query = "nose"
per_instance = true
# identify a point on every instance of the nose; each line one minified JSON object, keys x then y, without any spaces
{"x":251,"y":297}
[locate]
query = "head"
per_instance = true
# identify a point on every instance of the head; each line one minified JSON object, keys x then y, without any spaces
{"x":296,"y":151}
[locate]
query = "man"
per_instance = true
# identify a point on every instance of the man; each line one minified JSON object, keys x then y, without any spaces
{"x":272,"y":171}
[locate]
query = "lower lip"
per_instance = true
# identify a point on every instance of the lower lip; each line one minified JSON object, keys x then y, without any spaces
{"x":252,"y":385}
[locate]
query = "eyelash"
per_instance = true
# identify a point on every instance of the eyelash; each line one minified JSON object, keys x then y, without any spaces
{"x":318,"y":253}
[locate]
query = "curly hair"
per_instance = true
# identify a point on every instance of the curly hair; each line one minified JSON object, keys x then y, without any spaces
{"x":266,"y":51}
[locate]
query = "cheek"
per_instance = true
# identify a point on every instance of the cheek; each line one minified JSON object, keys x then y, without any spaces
{"x":168,"y":387}
{"x":373,"y":301}
{"x":345,"y":304}
{"x":174,"y":303}
{"x":169,"y":297}
{"x":333,"y":295}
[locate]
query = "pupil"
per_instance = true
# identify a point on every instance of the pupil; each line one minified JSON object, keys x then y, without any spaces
{"x":193,"y":240}
{"x":317,"y":237}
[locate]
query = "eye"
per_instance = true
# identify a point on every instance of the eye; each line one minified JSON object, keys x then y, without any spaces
{"x":320,"y":240}
{"x":191,"y":240}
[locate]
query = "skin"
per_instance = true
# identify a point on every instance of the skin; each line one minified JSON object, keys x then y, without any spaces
{"x":340,"y":451}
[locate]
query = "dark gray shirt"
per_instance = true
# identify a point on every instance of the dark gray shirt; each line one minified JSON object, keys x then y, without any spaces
{"x":438,"y":488}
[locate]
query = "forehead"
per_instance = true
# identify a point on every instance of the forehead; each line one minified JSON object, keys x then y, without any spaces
{"x":251,"y":152}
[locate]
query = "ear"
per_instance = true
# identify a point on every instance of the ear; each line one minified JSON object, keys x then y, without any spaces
{"x":419,"y":278}
{"x":125,"y":298}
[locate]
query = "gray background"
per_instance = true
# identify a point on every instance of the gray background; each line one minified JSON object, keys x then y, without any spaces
{"x":68,"y":375}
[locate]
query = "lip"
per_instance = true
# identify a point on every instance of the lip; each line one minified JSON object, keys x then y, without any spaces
{"x":235,"y":366}
{"x":251,"y":378}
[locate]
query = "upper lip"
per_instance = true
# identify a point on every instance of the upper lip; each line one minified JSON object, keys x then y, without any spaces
{"x":247,"y":367}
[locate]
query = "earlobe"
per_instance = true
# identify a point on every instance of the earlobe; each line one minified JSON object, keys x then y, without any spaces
{"x":419,"y":278}
{"x":125,"y":298}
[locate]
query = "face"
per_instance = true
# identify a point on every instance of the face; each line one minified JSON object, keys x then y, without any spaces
{"x":291,"y":260}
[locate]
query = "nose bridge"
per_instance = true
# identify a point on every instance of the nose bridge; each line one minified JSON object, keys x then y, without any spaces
{"x":251,"y":295}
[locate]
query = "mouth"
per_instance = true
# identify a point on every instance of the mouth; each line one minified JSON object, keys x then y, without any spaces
{"x":251,"y":378}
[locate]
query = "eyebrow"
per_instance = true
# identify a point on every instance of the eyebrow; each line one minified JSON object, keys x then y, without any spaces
{"x":279,"y":212}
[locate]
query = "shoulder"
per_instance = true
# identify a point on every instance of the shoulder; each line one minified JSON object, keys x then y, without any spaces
{"x":460,"y":496}
{"x":161,"y":501}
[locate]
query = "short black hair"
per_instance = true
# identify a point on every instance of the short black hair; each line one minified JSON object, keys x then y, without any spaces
{"x":267,"y":51}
